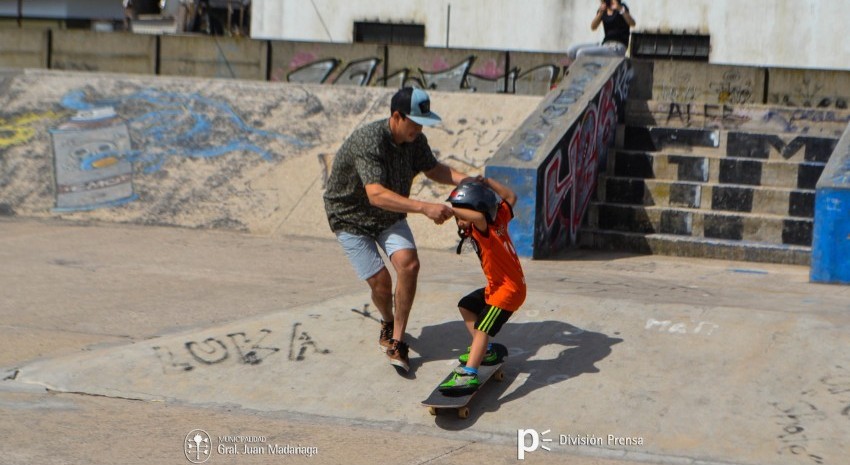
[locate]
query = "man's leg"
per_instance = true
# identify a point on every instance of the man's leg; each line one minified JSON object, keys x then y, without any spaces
{"x":406,"y":264}
{"x":362,"y":252}
{"x":381,"y":284}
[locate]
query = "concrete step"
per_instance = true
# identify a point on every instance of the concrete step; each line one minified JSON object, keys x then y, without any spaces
{"x":729,"y":143}
{"x":737,"y":226}
{"x":762,"y":119}
{"x":706,"y":196}
{"x":685,"y":246}
{"x":719,"y":170}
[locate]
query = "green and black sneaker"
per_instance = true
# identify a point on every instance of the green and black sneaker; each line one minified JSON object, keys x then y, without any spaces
{"x":461,"y":382}
{"x":490,"y":357}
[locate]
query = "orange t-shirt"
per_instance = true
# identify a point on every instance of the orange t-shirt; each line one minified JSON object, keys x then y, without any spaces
{"x":505,"y":280}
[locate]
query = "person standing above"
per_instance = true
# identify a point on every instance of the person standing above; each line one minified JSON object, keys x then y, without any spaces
{"x":617,"y":22}
{"x":129,"y":13}
{"x":367,"y":200}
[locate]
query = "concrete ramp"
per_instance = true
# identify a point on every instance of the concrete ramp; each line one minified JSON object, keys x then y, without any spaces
{"x":237,"y":155}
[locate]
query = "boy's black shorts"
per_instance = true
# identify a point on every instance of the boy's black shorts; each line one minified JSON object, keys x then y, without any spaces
{"x":490,"y":317}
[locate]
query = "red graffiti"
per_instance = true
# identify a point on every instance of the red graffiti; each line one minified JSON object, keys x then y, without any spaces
{"x":569,"y":183}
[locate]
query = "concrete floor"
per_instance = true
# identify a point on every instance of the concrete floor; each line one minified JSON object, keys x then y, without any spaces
{"x":118,"y":341}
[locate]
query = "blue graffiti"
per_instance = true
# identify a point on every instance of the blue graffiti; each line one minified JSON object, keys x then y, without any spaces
{"x":175,"y":124}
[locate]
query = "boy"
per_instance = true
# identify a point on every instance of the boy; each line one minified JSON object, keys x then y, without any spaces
{"x":482,"y":209}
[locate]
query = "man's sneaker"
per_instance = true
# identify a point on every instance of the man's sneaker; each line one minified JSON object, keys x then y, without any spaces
{"x":397,"y":353}
{"x":386,"y":335}
{"x":461,"y":382}
{"x":490,"y":357}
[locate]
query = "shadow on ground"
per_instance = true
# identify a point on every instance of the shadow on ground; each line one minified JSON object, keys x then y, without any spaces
{"x":579,"y":352}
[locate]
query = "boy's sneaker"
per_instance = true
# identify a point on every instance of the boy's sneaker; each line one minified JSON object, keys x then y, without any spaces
{"x":490,"y":357}
{"x":386,"y":335}
{"x":461,"y":382}
{"x":397,"y":353}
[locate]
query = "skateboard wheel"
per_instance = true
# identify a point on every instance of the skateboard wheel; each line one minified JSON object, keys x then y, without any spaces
{"x":463,"y":412}
{"x":432,"y":410}
{"x":499,"y":375}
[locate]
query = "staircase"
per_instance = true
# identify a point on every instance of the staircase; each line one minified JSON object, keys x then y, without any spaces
{"x":695,"y":188}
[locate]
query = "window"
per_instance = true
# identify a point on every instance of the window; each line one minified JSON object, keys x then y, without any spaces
{"x":385,"y":33}
{"x":693,"y":47}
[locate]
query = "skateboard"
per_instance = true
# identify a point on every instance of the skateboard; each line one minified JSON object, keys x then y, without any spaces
{"x":438,"y":401}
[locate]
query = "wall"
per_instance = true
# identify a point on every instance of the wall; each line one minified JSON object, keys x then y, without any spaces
{"x":493,"y":71}
{"x":95,"y":51}
{"x":490,"y":24}
{"x":23,"y":48}
{"x":553,"y":159}
{"x":784,"y":33}
{"x":431,"y":68}
{"x":683,"y":82}
{"x":831,"y":238}
{"x":229,"y":154}
{"x":526,"y":73}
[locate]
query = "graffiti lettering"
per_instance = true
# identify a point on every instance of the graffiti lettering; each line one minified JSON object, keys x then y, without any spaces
{"x":215,"y":350}
{"x":667,"y":326}
{"x":300,"y":342}
{"x":568,"y":184}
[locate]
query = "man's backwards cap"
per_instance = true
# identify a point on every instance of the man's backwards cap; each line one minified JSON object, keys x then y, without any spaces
{"x":416,"y":105}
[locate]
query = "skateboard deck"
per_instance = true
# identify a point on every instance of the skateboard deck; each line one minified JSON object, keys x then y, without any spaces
{"x":437,"y":400}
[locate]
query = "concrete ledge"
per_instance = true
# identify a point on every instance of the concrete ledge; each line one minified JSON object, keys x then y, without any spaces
{"x":553,"y":159}
{"x":831,"y":236}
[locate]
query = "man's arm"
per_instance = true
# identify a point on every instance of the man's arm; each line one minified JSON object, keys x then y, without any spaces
{"x":445,"y":174}
{"x":381,"y":197}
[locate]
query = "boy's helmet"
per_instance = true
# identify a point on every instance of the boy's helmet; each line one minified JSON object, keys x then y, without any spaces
{"x":476,"y":196}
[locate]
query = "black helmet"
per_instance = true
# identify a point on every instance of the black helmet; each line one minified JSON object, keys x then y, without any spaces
{"x":476,"y":196}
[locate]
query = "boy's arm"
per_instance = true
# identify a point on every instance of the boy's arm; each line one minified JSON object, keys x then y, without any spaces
{"x":504,"y":191}
{"x":472,"y":216}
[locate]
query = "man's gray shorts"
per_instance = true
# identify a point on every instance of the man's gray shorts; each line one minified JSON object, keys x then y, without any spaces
{"x":362,"y":251}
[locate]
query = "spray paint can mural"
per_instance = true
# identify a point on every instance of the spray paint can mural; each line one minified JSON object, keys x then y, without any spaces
{"x":90,"y":156}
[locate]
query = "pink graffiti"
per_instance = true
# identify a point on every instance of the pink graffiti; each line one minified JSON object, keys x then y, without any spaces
{"x":439,"y":64}
{"x":490,"y":69}
{"x":302,"y":58}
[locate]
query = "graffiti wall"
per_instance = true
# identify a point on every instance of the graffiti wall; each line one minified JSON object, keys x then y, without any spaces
{"x":567,"y":178}
{"x":730,"y":85}
{"x":168,"y":151}
{"x":553,"y":159}
{"x":221,"y":154}
{"x":428,"y":68}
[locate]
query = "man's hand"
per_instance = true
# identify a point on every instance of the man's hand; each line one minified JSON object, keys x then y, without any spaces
{"x":437,"y":212}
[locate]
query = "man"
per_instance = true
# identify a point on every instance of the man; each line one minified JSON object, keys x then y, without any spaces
{"x":367,"y":200}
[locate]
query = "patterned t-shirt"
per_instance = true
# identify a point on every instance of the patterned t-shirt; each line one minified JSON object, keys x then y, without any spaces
{"x":369,"y":156}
